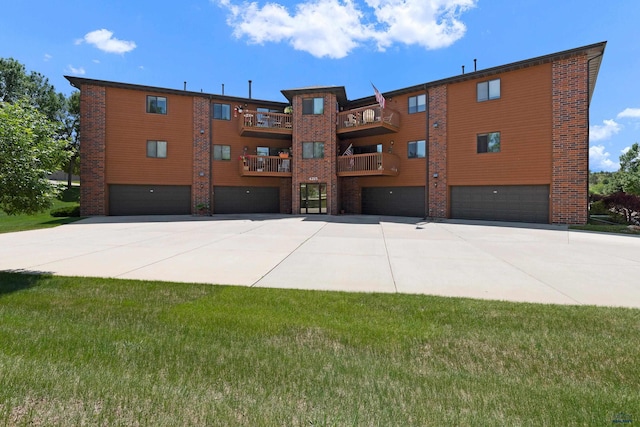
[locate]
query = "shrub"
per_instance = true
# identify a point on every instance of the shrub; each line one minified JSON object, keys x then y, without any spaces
{"x":599,"y":208}
{"x":66,"y":211}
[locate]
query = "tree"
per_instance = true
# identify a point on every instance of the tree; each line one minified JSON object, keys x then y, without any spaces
{"x":30,"y":150}
{"x":70,"y":122}
{"x":627,"y":179}
{"x":16,"y":84}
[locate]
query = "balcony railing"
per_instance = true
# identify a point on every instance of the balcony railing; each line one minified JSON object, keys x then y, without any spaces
{"x":265,"y":166}
{"x":368,"y":164}
{"x":371,"y":120}
{"x":258,"y":123}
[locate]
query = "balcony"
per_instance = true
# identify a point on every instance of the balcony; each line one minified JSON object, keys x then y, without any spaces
{"x":370,"y":164}
{"x":368,"y":121}
{"x":265,"y":166}
{"x":266,"y":125}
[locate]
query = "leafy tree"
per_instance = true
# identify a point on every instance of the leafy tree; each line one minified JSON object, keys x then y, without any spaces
{"x":624,"y":203}
{"x":70,"y":126}
{"x":30,"y":150}
{"x":16,"y":84}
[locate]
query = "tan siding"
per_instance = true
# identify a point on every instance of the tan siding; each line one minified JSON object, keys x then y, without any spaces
{"x":523,"y":117}
{"x":129,"y":127}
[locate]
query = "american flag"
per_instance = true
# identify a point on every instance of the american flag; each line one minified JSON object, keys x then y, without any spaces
{"x":379,"y":96}
{"x":348,"y":151}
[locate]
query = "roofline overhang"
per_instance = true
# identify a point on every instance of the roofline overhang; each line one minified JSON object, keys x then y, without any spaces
{"x":77,"y":82}
{"x":338,"y":91}
{"x":594,"y":54}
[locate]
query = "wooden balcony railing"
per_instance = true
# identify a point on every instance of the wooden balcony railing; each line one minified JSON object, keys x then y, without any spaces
{"x":265,"y":166}
{"x":368,"y":120}
{"x":258,"y":123}
{"x":368,"y":164}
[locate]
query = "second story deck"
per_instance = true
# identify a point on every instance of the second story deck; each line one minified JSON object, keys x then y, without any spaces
{"x":367,"y":121}
{"x":266,"y":125}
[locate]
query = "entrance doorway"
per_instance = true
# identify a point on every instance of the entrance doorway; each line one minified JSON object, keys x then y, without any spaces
{"x":313,"y":198}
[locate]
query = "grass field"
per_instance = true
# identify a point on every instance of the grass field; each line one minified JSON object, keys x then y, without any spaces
{"x":84,"y":351}
{"x":12,"y":223}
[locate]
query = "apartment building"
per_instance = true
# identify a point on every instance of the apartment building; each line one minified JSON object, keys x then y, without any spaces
{"x":506,"y":143}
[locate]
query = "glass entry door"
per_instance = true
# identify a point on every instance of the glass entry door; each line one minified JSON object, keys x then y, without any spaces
{"x":313,"y":198}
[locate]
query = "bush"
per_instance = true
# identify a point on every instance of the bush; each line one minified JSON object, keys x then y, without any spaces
{"x":599,"y":208}
{"x":66,"y":211}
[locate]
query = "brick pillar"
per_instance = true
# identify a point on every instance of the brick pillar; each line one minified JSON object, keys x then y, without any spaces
{"x":437,"y":193}
{"x":351,"y":195}
{"x":285,"y":195}
{"x":93,"y":189}
{"x":201,"y":188}
{"x":315,"y":128}
{"x":570,"y":137}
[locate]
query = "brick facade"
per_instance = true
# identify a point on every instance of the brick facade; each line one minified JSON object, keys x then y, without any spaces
{"x":570,"y":169}
{"x":350,"y":195}
{"x":315,"y":128}
{"x":93,"y":105}
{"x":436,"y":197}
{"x":201,"y":187}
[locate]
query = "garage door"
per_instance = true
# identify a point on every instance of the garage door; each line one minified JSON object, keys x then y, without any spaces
{"x":524,"y":203}
{"x":228,"y":200}
{"x":149,"y":199}
{"x":395,"y":201}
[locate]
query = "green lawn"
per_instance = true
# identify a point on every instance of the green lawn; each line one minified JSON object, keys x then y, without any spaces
{"x":81,"y":351}
{"x":11,"y":223}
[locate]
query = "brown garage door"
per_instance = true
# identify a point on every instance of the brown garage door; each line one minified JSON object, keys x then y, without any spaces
{"x":394,"y":201}
{"x":524,"y":203}
{"x":149,"y":199}
{"x":227,"y":200}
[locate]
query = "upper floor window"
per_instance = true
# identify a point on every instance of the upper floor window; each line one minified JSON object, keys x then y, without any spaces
{"x":313,"y":150}
{"x":489,"y":90}
{"x":313,"y":106}
{"x":417,"y":104}
{"x":157,"y":149}
{"x":221,"y":152}
{"x":222,"y":111}
{"x":489,"y":142}
{"x":417,"y":149}
{"x":157,"y":104}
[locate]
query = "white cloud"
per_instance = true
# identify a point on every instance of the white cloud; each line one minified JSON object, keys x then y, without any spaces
{"x":104,"y":40}
{"x":599,"y":159}
{"x":47,"y":57}
{"x":333,"y":28}
{"x":95,"y":61}
{"x":633,"y":113}
{"x":76,"y":71}
{"x":604,"y":131}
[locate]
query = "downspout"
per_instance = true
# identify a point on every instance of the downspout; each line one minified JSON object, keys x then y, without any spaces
{"x":589,"y":120}
{"x":427,"y":192}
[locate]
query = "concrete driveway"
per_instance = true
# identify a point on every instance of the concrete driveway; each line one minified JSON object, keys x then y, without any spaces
{"x":501,"y":261}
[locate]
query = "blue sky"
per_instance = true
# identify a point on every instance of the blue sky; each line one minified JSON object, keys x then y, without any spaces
{"x":285,"y":44}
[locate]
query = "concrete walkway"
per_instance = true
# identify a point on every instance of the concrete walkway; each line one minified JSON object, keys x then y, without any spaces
{"x":502,"y":261}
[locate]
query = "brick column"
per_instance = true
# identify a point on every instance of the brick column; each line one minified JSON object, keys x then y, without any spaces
{"x":201,"y":188}
{"x":285,"y":195}
{"x":315,"y":128}
{"x":570,"y":164}
{"x":437,"y":193}
{"x":93,"y":189}
{"x":351,"y":196}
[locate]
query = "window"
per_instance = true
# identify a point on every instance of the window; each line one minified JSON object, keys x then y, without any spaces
{"x":222,"y":111}
{"x":313,"y":106}
{"x":157,"y":149}
{"x":417,"y":104}
{"x":489,"y":142}
{"x":157,"y":104}
{"x":489,"y":90}
{"x":262,"y":151}
{"x":417,"y":149}
{"x":313,"y":150}
{"x":221,"y":152}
